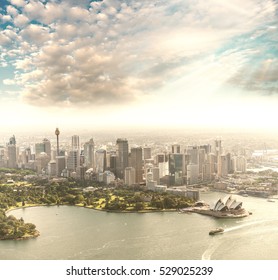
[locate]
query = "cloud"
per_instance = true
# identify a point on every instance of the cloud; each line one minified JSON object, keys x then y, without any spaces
{"x":21,"y":20}
{"x":263,"y":78}
{"x":18,"y":3}
{"x":113,"y":52}
{"x":4,"y":39}
{"x":8,"y":82}
{"x":12,"y":11}
{"x":37,"y":34}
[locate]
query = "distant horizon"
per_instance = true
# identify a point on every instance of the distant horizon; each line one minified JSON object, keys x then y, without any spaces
{"x":137,"y":131}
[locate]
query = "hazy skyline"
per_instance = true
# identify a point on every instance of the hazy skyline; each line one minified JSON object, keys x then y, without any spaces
{"x":108,"y":63}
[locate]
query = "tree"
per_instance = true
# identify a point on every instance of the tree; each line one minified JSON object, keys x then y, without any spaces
{"x":139,"y":206}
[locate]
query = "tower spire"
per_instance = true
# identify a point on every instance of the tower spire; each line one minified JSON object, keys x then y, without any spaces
{"x":57,"y":132}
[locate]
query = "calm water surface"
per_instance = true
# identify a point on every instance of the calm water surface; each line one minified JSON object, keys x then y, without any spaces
{"x":78,"y":233}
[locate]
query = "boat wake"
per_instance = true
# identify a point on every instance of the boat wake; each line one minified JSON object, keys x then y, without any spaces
{"x":209,"y":251}
{"x":213,"y":246}
{"x":248,"y":224}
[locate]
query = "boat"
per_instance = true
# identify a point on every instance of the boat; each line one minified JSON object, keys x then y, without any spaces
{"x":216,"y":231}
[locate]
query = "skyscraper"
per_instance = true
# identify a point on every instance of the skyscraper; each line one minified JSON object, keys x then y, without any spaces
{"x":218,"y":148}
{"x":129,"y":176}
{"x":47,"y":147}
{"x":136,"y":158}
{"x":75,"y":142}
{"x":176,"y":149}
{"x":39,"y":148}
{"x":44,"y":147}
{"x":89,"y":155}
{"x":60,"y":165}
{"x":100,"y":160}
{"x":176,"y":169}
{"x":73,"y":161}
{"x":121,"y":157}
{"x":147,"y":153}
{"x":12,"y":158}
{"x":222,"y":169}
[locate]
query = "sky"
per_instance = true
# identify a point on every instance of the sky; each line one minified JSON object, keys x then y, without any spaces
{"x":160,"y":64}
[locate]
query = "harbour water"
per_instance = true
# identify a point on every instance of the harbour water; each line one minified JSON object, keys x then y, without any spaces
{"x":73,"y":233}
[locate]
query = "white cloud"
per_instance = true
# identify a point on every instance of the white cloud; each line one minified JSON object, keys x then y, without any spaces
{"x":77,"y":14}
{"x":18,"y":3}
{"x":34,"y":10}
{"x":4,"y":39}
{"x":8,"y":82}
{"x":6,"y":18}
{"x":12,"y":11}
{"x":21,"y":20}
{"x":36,"y":34}
{"x":114,"y":52}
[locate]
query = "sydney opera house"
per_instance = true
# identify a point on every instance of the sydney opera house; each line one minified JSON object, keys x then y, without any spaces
{"x":223,"y":208}
{"x":227,"y":204}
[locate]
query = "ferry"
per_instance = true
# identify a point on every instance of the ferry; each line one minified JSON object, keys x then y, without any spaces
{"x":216,"y":231}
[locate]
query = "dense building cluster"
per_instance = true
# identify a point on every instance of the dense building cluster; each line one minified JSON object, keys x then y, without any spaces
{"x":175,"y":166}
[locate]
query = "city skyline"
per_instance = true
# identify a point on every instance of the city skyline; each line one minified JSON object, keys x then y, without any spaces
{"x":107,"y":64}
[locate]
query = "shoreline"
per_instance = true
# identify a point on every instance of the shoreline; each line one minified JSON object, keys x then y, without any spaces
{"x":35,"y":235}
{"x":96,"y":209}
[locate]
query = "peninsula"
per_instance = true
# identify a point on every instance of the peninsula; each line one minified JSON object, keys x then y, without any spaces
{"x":16,"y":229}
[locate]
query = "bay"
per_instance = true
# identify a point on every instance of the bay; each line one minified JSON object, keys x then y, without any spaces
{"x":76,"y":233}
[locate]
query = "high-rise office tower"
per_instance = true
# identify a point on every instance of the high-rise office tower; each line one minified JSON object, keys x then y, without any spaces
{"x":12,"y":158}
{"x":75,"y":142}
{"x":129,"y":176}
{"x":192,"y":174}
{"x":202,"y":159}
{"x":212,"y":160}
{"x":41,"y":162}
{"x":176,"y":169}
{"x":156,"y":175}
{"x":39,"y":148}
{"x":206,"y":172}
{"x":239,"y":163}
{"x":193,"y":152}
{"x":147,"y":153}
{"x":176,"y":149}
{"x":222,"y":169}
{"x":112,"y":161}
{"x":136,"y":157}
{"x":121,"y":157}
{"x":47,"y":147}
{"x":74,"y":155}
{"x":44,"y":147}
{"x":73,"y":160}
{"x":160,"y":158}
{"x":230,"y":168}
{"x":206,"y":147}
{"x":218,"y":148}
{"x":89,"y":153}
{"x":51,"y":168}
{"x":100,"y":160}
{"x":12,"y":141}
{"x":60,"y":165}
